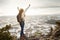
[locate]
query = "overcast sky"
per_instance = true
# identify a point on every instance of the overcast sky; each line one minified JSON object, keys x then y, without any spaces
{"x":9,"y":7}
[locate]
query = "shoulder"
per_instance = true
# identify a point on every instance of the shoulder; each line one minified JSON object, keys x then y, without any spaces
{"x":17,"y":16}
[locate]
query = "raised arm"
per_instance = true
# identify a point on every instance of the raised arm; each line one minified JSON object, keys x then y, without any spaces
{"x":18,"y":8}
{"x":27,"y":8}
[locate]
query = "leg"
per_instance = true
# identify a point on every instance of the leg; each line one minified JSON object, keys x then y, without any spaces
{"x":22,"y":28}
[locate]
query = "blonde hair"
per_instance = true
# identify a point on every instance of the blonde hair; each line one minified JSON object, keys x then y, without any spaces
{"x":21,"y":11}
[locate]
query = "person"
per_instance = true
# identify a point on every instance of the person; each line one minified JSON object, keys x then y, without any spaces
{"x":21,"y":18}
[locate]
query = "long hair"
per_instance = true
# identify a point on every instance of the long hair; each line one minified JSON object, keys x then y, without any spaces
{"x":21,"y":11}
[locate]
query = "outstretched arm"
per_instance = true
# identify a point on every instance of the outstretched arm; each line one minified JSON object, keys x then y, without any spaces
{"x":18,"y":8}
{"x":27,"y":8}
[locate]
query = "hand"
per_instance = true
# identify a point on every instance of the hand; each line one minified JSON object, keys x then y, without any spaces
{"x":27,"y":8}
{"x":29,"y":4}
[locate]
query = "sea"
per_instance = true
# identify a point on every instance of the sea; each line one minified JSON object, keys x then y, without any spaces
{"x":38,"y":23}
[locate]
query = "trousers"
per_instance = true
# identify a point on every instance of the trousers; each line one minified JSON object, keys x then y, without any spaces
{"x":22,"y":27}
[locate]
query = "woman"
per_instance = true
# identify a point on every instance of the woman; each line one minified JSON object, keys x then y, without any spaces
{"x":20,"y":18}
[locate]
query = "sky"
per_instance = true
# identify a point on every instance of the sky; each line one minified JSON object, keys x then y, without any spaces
{"x":38,"y":7}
